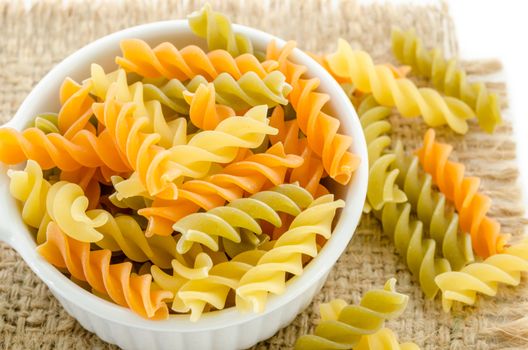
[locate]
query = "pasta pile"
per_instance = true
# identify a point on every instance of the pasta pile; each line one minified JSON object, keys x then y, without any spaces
{"x":186,"y":180}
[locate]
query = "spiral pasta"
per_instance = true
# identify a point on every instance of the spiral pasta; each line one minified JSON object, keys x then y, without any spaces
{"x":84,"y":149}
{"x":123,"y":233}
{"x":76,"y":108}
{"x":47,"y":122}
{"x":346,"y":325}
{"x":471,"y":205}
{"x":382,"y":186}
{"x":198,"y":291}
{"x":430,"y":208}
{"x":286,"y":256}
{"x":311,"y":171}
{"x":216,"y":28}
{"x":113,"y":280}
{"x":484,"y":277}
{"x":29,"y":187}
{"x":384,"y":339}
{"x":241,"y":215}
{"x":401,"y":93}
{"x":447,"y":76}
{"x":156,"y":168}
{"x":66,"y":205}
{"x":166,"y":61}
{"x":417,"y":252}
{"x":321,"y":129}
{"x":249,"y":175}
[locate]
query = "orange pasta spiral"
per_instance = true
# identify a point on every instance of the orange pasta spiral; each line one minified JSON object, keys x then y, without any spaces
{"x":309,"y":174}
{"x":150,"y":161}
{"x":204,"y":112}
{"x":471,"y":205}
{"x":84,"y":149}
{"x":321,"y":129}
{"x":166,"y":61}
{"x":76,"y":109}
{"x":115,"y":280}
{"x":249,"y":175}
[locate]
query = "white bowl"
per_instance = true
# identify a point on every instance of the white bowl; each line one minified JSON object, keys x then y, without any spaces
{"x":226,"y":329}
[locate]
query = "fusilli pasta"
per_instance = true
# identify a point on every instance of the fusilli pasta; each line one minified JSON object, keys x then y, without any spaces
{"x":430,"y":208}
{"x":484,"y":277}
{"x":321,"y":129}
{"x":447,"y":76}
{"x":216,"y":28}
{"x":113,"y":280}
{"x":343,"y":326}
{"x":417,"y":252}
{"x":389,"y":91}
{"x":286,"y":256}
{"x":471,"y":205}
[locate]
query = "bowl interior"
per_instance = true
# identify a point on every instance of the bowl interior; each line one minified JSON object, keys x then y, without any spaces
{"x":44,"y":98}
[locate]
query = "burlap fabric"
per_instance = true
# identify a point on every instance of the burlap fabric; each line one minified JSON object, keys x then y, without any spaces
{"x":35,"y":39}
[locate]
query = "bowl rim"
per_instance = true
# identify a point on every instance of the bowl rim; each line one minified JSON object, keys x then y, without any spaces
{"x":342,"y":233}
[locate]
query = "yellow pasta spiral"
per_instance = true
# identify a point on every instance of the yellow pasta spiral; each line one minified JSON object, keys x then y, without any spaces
{"x":216,"y":28}
{"x":286,"y":256}
{"x":447,"y":76}
{"x":382,"y":186}
{"x":241,"y":216}
{"x":29,"y":187}
{"x":384,"y":339}
{"x":346,"y":325}
{"x":484,"y":277}
{"x":402,"y":93}
{"x":417,"y":252}
{"x":430,"y":207}
{"x":66,"y":205}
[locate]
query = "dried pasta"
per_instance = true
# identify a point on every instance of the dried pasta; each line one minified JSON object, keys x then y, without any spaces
{"x":382,"y":186}
{"x":240,"y":215}
{"x":384,"y":339}
{"x":113,"y":280}
{"x":401,"y":93}
{"x":447,"y":76}
{"x":166,"y":61}
{"x":248,"y":175}
{"x":321,"y":129}
{"x":67,"y":207}
{"x":417,"y":251}
{"x":311,"y":171}
{"x":193,"y":159}
{"x":430,"y":208}
{"x":471,"y":205}
{"x":181,"y":175}
{"x":286,"y":256}
{"x":344,"y":326}
{"x":484,"y":277}
{"x":217,"y":29}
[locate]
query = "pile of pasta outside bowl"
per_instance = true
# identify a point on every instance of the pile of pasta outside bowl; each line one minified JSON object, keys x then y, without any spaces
{"x":228,"y":328}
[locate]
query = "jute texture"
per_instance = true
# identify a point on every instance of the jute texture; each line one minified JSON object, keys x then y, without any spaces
{"x":35,"y":39}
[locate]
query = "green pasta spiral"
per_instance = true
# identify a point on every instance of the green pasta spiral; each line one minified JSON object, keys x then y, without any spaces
{"x":417,"y":252}
{"x":352,"y":322}
{"x":382,"y":186}
{"x":240,"y":217}
{"x":430,"y":208}
{"x":217,"y":29}
{"x":47,"y":122}
{"x":447,"y":76}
